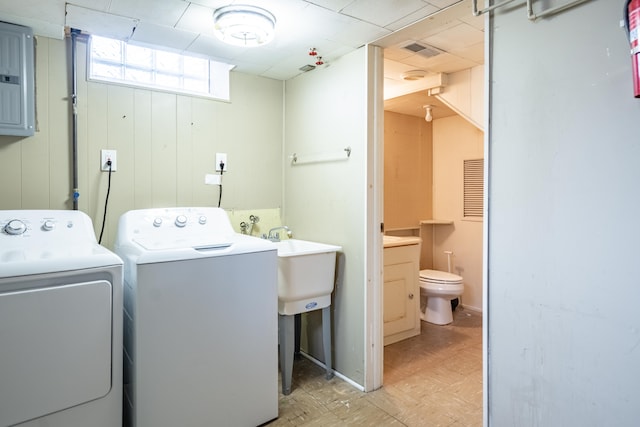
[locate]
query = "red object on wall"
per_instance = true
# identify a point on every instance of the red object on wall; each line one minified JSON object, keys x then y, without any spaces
{"x":633,"y":21}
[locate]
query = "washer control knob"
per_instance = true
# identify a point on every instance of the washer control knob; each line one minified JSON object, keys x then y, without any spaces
{"x":202,"y":219}
{"x":157,"y":222}
{"x":48,"y":225}
{"x":181,"y":220}
{"x":15,"y":227}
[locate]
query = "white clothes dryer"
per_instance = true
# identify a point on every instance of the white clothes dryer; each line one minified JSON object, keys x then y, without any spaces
{"x":60,"y":322}
{"x":201,"y":313}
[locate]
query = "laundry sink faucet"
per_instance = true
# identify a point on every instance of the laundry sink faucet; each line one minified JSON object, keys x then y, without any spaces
{"x":275,"y":237}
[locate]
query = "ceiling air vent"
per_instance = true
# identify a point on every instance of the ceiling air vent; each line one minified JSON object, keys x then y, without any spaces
{"x":427,"y":51}
{"x":414,"y":47}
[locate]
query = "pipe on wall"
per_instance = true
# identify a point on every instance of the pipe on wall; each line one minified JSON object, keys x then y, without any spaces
{"x":477,"y":12}
{"x":74,"y":118}
{"x":533,"y":16}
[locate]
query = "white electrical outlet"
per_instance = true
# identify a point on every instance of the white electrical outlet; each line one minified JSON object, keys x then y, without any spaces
{"x":222,"y":157}
{"x":105,"y":156}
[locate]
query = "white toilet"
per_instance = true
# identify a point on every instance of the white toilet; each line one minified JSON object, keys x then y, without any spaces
{"x":440,"y":288}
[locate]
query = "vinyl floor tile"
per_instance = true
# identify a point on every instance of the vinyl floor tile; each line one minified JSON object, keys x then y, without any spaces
{"x":434,"y":379}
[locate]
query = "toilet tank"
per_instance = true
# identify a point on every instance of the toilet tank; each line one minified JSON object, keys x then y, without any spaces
{"x":17,"y":99}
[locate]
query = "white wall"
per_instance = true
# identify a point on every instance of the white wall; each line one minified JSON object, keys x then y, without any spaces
{"x":564,"y":332}
{"x":464,"y":94}
{"x":325,"y":202}
{"x":165,"y":142}
{"x":456,"y":140}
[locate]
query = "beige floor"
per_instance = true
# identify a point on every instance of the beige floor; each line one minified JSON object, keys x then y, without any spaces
{"x":434,"y":379}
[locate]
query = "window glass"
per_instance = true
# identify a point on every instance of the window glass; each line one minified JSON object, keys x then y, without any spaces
{"x":120,"y":62}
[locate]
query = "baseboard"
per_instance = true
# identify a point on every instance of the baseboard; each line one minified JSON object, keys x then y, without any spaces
{"x":336,"y":373}
{"x":471,"y":308}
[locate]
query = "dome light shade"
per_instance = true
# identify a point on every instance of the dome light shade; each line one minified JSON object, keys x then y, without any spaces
{"x":243,"y":25}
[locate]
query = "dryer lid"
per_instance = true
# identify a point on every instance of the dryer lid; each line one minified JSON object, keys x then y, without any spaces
{"x":439,"y":276}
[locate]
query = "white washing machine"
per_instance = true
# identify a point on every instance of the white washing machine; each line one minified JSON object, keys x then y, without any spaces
{"x":201,"y":313}
{"x":60,"y":322}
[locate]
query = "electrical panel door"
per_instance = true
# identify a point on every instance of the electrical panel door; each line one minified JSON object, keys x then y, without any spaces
{"x":17,"y":97}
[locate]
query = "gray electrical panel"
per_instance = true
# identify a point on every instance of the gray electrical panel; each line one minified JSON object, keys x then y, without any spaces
{"x":17,"y":94}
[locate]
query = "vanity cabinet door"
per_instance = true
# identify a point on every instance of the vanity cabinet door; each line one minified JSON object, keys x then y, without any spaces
{"x":399,"y":298}
{"x":401,"y":303}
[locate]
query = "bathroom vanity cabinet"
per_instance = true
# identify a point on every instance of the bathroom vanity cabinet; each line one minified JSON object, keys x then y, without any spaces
{"x":401,"y":303}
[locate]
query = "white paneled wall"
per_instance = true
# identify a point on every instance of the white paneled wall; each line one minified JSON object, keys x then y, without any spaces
{"x":455,"y":140}
{"x":325,"y":202}
{"x":165,"y":144}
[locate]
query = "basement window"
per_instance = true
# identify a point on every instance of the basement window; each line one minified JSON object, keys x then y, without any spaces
{"x":116,"y":61}
{"x":473,"y":188}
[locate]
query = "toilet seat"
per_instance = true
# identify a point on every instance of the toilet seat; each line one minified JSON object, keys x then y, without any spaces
{"x":439,"y":287}
{"x":439,"y":277}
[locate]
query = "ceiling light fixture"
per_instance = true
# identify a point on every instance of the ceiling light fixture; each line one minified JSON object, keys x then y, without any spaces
{"x":428,"y":116}
{"x":412,"y":75}
{"x":243,"y":25}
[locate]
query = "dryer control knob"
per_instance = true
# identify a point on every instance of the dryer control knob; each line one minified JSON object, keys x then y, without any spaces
{"x":48,"y":225}
{"x":157,"y":222}
{"x":181,"y":220}
{"x":15,"y":227}
{"x":202,"y":219}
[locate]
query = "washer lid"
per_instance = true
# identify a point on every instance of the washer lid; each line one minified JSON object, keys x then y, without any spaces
{"x":156,"y":243}
{"x":439,"y":276}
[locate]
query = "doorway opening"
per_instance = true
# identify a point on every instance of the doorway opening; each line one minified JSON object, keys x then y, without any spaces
{"x":434,"y":101}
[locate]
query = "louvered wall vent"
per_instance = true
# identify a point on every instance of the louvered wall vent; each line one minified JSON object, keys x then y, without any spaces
{"x":473,"y":188}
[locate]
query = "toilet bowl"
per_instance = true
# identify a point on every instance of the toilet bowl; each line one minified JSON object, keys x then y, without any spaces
{"x":440,"y":288}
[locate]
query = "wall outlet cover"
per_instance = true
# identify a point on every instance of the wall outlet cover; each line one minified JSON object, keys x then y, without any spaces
{"x":105,"y":156}
{"x":222,"y":157}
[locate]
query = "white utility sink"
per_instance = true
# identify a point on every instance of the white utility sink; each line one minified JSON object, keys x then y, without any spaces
{"x":306,"y":273}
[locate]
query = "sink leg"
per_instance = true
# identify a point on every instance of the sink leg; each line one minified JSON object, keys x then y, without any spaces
{"x":298,"y":323}
{"x":326,"y":340}
{"x":286,"y":331}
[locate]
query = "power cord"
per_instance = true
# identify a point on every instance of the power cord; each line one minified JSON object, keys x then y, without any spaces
{"x":221,"y":172}
{"x":106,"y":201}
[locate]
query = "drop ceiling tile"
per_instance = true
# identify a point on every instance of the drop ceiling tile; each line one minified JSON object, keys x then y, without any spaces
{"x":215,"y":49}
{"x":39,"y":28}
{"x":473,"y":53}
{"x":197,"y":19}
{"x":358,"y":33}
{"x":474,"y":21}
{"x":165,"y":12}
{"x":443,"y":3}
{"x":382,"y":13}
{"x":100,"y":23}
{"x":161,"y":36}
{"x":394,"y":69}
{"x":424,"y":63}
{"x":102,"y":5}
{"x":456,"y":37}
{"x":447,"y":63}
{"x":211,"y":4}
{"x":335,"y":5}
{"x":397,"y":54}
{"x":411,"y":18}
{"x":50,"y":11}
{"x":285,"y":69}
